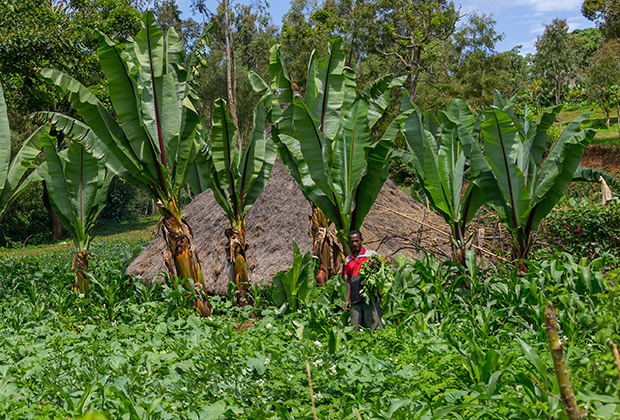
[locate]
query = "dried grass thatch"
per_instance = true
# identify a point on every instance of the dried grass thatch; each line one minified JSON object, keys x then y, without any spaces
{"x":396,"y":223}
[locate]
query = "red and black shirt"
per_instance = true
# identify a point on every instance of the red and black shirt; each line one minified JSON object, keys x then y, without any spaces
{"x":352,"y":269}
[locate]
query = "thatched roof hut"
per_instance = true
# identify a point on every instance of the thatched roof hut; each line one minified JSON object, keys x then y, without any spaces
{"x":396,"y":223}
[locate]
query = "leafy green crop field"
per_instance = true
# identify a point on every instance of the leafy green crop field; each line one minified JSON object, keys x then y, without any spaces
{"x":136,"y":351}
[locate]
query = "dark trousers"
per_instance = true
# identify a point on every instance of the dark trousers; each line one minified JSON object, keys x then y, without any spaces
{"x":370,"y":315}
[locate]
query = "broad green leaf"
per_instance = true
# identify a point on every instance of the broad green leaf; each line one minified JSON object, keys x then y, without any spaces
{"x":5,"y":142}
{"x":16,"y":180}
{"x":325,"y":93}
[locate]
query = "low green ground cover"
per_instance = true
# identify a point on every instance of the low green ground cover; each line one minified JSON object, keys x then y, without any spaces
{"x":135,"y":351}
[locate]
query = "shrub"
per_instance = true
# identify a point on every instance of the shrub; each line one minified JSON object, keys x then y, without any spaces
{"x":585,"y":228}
{"x":26,"y":219}
{"x":124,"y":202}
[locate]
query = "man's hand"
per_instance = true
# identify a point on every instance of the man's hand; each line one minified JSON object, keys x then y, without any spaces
{"x":346,"y":307}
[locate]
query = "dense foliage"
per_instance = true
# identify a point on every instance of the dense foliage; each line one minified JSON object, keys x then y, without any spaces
{"x":447,"y":351}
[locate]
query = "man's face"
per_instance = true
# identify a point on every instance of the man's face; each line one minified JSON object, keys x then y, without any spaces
{"x":355,"y":243}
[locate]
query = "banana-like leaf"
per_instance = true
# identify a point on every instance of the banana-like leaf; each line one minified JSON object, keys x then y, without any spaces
{"x":78,"y":185}
{"x":437,"y":145}
{"x":15,"y":179}
{"x":325,"y":139}
{"x":153,"y":136}
{"x":258,"y":159}
{"x":5,"y":142}
{"x":78,"y":131}
{"x":511,"y":175}
{"x":501,"y":148}
{"x":325,"y":93}
{"x":237,"y":178}
{"x":558,"y":170}
{"x":377,"y":171}
{"x":593,"y":175}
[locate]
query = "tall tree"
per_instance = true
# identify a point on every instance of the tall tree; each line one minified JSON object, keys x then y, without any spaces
{"x":411,"y":31}
{"x":169,"y":15}
{"x":249,"y":33}
{"x":606,"y":14}
{"x":479,"y":69}
{"x":556,"y":61}
{"x":604,"y":78}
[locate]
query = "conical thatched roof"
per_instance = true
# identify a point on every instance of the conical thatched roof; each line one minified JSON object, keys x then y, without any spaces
{"x":396,"y":223}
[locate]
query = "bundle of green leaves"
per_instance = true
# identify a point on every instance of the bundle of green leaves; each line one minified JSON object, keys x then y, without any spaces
{"x":377,"y":278}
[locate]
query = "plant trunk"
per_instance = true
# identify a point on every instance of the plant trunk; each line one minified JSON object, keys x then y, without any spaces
{"x":325,"y":246}
{"x":415,"y":74}
{"x":58,"y":231}
{"x":237,"y":250}
{"x":618,"y":114}
{"x":459,"y":246}
{"x":231,"y":70}
{"x":557,"y":102}
{"x":80,"y":266}
{"x":559,"y":364}
{"x":177,"y":235}
{"x":607,"y":117}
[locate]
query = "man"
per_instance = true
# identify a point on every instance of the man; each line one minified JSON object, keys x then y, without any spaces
{"x":361,"y":312}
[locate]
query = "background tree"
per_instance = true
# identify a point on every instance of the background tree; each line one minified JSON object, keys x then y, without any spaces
{"x":169,"y":15}
{"x":606,"y":15}
{"x":411,"y":31}
{"x":555,"y":61}
{"x":252,"y":35}
{"x":478,"y":69}
{"x":59,"y":34}
{"x":604,"y":78}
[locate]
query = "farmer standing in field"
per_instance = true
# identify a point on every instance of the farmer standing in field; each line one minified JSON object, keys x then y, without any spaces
{"x":361,"y":312}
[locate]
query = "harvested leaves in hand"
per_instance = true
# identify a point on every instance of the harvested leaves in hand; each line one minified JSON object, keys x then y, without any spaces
{"x":377,"y":277}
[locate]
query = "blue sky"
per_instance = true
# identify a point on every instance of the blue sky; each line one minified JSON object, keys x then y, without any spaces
{"x":521,"y":21}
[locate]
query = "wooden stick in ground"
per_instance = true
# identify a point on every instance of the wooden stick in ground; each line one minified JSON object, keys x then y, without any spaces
{"x":559,"y":364}
{"x":309,"y":373}
{"x":614,"y":350}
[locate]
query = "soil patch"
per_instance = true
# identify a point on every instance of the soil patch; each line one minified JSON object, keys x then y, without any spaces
{"x":606,"y":158}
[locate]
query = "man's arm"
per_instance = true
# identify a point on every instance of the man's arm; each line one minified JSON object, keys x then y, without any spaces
{"x":347,"y":301}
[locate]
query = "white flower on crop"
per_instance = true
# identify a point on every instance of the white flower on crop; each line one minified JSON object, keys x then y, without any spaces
{"x":298,"y":311}
{"x":81,"y":295}
{"x":318,"y":363}
{"x":288,"y":333}
{"x":290,"y":378}
{"x":210,"y":318}
{"x":519,"y":387}
{"x":333,"y":370}
{"x":411,"y":364}
{"x":260,"y":383}
{"x":319,"y":395}
{"x":147,"y":329}
{"x":318,"y":344}
{"x":268,"y":326}
{"x":174,"y":408}
{"x":395,"y":360}
{"x":564,"y":338}
{"x":267,"y":361}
